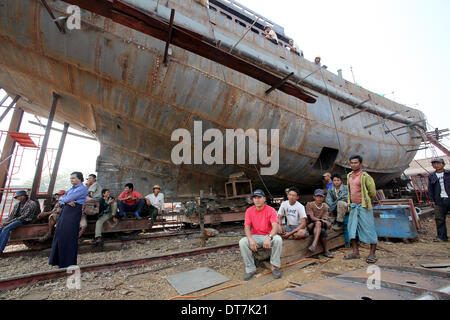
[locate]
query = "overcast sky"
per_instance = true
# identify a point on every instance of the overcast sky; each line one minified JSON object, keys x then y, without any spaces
{"x":400,"y":48}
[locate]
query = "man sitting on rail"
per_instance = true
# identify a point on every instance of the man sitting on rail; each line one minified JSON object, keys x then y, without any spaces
{"x":130,"y":201}
{"x":261,"y":227}
{"x":52,"y":216}
{"x":271,"y":35}
{"x":155,"y":201}
{"x":24,"y":212}
{"x":294,"y":211}
{"x":317,"y":212}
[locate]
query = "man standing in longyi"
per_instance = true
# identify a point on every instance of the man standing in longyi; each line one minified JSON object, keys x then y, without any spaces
{"x":361,"y":189}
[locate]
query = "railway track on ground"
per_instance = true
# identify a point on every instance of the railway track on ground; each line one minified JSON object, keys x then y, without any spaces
{"x":14,"y":282}
{"x":116,"y":244}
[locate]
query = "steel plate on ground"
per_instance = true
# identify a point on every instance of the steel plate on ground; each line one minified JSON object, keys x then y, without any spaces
{"x":195,"y":280}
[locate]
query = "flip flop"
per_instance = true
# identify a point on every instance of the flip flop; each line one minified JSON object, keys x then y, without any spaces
{"x":371,"y":260}
{"x":351,"y":257}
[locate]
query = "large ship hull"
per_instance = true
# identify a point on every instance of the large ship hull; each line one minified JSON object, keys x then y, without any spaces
{"x":113,"y":84}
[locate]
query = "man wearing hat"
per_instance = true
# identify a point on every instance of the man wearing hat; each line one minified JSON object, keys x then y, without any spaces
{"x":52,"y":216}
{"x":439,"y":192}
{"x":23,"y":212}
{"x":318,"y":223}
{"x":155,"y":201}
{"x":261,"y":228}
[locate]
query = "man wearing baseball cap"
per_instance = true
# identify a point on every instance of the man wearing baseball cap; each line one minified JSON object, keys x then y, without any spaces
{"x":439,"y":192}
{"x":261,"y":228}
{"x":23,"y":212}
{"x":318,"y":222}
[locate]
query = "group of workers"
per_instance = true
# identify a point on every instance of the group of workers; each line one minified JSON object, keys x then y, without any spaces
{"x":264,"y":227}
{"x":70,"y":212}
{"x":293,"y":47}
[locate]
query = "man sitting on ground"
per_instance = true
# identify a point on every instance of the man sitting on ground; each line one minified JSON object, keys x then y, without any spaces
{"x":130,"y":201}
{"x":261,"y":227}
{"x":52,"y":216}
{"x":24,"y":212}
{"x":317,"y":212}
{"x":271,"y":35}
{"x":155,"y":201}
{"x":296,"y":218}
{"x":337,"y":201}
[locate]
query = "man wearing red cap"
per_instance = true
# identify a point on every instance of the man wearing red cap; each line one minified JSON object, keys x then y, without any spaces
{"x":52,"y":216}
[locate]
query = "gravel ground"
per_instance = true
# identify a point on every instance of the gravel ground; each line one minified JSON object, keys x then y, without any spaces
{"x":147,"y":282}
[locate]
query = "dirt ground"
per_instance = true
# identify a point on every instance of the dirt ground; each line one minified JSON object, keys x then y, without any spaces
{"x":148,"y":282}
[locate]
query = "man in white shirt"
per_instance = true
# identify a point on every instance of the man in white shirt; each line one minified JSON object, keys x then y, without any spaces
{"x":271,"y":35}
{"x":155,"y":201}
{"x":293,"y":47}
{"x":295,"y":215}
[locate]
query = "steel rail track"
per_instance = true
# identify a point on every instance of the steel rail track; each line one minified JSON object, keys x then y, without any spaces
{"x":14,"y":282}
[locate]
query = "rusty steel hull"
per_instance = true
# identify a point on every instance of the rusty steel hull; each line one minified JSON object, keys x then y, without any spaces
{"x":114,"y":85}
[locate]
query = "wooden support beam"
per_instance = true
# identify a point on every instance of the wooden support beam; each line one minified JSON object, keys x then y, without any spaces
{"x":3,"y":100}
{"x":37,"y":175}
{"x":169,"y":38}
{"x":59,"y":130}
{"x":51,"y":186}
{"x":8,"y":147}
{"x":50,"y":12}
{"x":11,"y":105}
{"x":280,"y":83}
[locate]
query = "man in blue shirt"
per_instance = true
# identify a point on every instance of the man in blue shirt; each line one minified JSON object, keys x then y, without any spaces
{"x":328,"y":180}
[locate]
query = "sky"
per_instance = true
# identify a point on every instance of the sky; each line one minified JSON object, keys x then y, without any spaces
{"x":400,"y":48}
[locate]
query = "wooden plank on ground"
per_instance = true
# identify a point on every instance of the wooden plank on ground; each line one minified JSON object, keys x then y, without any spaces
{"x":296,"y":250}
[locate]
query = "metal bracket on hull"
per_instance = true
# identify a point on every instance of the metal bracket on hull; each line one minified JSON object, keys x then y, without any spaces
{"x":412,"y":124}
{"x":279,"y":84}
{"x":360,"y":111}
{"x":50,"y":12}
{"x":169,"y":38}
{"x":11,"y":105}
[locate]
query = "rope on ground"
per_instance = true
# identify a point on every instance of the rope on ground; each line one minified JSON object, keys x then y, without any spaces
{"x":263,"y":274}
